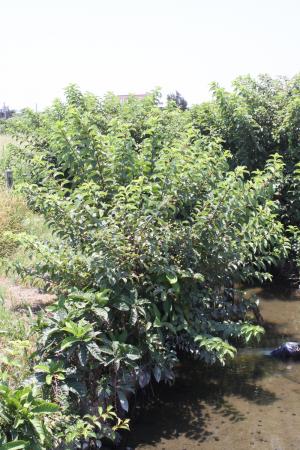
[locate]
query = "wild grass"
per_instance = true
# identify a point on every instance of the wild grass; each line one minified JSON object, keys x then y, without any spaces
{"x":16,"y":342}
{"x":13,"y":212}
{"x":4,"y":151}
{"x":4,"y":140}
{"x":13,"y":325}
{"x":15,"y":218}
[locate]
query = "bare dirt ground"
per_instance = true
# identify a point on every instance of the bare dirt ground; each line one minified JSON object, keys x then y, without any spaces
{"x":17,"y":296}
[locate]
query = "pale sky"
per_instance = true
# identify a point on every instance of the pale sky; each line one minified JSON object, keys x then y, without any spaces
{"x":136,"y":45}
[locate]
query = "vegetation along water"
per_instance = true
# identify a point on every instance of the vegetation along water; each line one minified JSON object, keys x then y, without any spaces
{"x":152,"y":215}
{"x":252,"y":403}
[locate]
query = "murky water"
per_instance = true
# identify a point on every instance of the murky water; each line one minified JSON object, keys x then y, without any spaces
{"x":253,"y":404}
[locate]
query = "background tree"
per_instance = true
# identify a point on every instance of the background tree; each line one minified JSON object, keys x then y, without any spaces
{"x":178,"y":99}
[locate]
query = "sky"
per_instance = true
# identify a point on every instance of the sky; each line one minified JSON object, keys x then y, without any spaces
{"x":137,"y":45}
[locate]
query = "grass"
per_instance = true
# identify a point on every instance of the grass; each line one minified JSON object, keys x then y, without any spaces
{"x":13,"y":212}
{"x":16,"y":344}
{"x":4,"y":150}
{"x":4,"y":140}
{"x":13,"y":325}
{"x":15,"y":218}
{"x":10,"y":159}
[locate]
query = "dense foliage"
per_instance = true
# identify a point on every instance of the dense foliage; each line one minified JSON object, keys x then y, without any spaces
{"x":153,"y":224}
{"x":258,"y":118}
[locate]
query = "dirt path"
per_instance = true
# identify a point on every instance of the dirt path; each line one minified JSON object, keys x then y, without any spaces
{"x":17,"y":296}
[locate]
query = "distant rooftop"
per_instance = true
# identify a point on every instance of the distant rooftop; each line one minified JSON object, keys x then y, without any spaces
{"x":124,"y":98}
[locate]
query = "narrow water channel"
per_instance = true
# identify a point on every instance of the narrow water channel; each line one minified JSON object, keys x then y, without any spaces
{"x":252,"y":404}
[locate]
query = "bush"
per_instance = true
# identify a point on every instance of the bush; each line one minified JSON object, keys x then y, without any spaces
{"x":153,"y":229}
{"x":22,"y":419}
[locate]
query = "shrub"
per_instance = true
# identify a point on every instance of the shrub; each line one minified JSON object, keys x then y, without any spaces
{"x":22,"y":422}
{"x":152,"y":229}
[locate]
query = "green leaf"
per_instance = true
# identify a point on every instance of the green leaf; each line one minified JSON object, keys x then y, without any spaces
{"x":101,"y":313}
{"x":46,"y":408}
{"x":39,"y":428}
{"x":49,"y":379}
{"x":68,"y":342}
{"x":102,"y":298}
{"x":172,"y":278}
{"x":95,"y":351}
{"x":82,"y":355}
{"x":122,"y":306}
{"x":15,"y":445}
{"x":42,"y":368}
{"x":133,"y":356}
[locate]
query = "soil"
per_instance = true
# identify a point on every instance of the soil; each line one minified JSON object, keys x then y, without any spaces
{"x":17,"y":296}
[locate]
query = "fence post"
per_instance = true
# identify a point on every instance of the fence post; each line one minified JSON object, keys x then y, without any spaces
{"x":9,"y":179}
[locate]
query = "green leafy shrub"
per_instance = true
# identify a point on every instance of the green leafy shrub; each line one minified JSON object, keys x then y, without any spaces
{"x":152,"y":228}
{"x":260,"y":117}
{"x":23,"y":419}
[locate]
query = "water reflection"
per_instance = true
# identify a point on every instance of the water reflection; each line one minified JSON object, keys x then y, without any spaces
{"x":253,"y":403}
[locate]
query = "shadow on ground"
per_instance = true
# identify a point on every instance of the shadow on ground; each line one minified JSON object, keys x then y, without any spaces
{"x":181,"y":410}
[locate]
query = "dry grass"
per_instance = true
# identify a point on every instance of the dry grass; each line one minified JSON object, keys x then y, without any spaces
{"x":16,"y":341}
{"x":4,"y":140}
{"x":13,"y":211}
